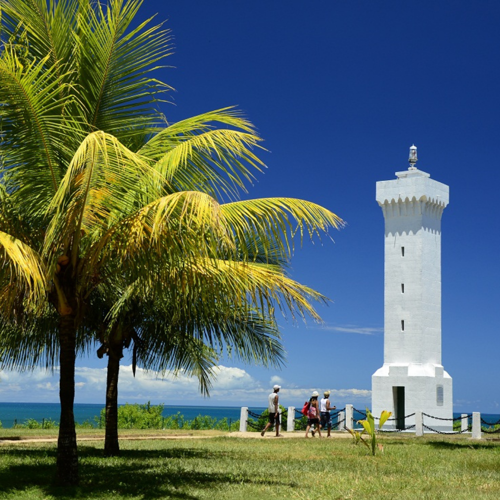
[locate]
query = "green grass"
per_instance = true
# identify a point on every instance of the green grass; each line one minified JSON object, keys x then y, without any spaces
{"x":234,"y":468}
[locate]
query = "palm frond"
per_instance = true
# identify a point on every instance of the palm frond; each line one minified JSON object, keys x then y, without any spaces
{"x":98,"y":189}
{"x":182,"y":224}
{"x":23,"y":262}
{"x":32,"y":132}
{"x":273,"y":222}
{"x":115,"y":62}
{"x":195,"y":155}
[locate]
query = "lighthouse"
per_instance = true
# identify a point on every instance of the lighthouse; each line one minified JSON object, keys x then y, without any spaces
{"x":412,"y":377}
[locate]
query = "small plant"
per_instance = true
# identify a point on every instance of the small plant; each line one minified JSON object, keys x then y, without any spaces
{"x":87,"y":424}
{"x":31,"y":423}
{"x":50,"y":424}
{"x":369,"y":427}
{"x":357,"y":436}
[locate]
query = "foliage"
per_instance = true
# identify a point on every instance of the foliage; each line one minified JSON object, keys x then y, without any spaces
{"x":45,"y":424}
{"x":356,"y":435}
{"x":100,"y":198}
{"x":201,"y":422}
{"x":31,"y":423}
{"x":370,"y":428}
{"x":147,"y":416}
{"x":301,"y":423}
{"x":87,"y":424}
{"x":137,"y":416}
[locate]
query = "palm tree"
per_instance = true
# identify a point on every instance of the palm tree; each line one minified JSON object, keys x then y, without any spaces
{"x":191,"y":154}
{"x":66,"y":68}
{"x":166,"y":336}
{"x":76,"y":105}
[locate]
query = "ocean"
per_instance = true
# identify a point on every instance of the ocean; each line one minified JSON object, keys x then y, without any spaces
{"x":12,"y":413}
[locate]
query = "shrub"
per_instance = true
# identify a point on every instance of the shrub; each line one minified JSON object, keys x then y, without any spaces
{"x":136,"y":416}
{"x":50,"y":424}
{"x":87,"y":424}
{"x":31,"y":423}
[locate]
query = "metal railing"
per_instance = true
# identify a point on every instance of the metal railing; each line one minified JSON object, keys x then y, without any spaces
{"x":417,"y":422}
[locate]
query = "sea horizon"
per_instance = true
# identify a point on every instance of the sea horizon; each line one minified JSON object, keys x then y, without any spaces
{"x":19,"y":412}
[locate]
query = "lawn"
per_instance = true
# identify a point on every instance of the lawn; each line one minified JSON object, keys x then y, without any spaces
{"x":222,"y":467}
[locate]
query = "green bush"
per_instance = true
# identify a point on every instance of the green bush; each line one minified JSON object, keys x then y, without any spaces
{"x":136,"y":416}
{"x":31,"y":423}
{"x":201,"y":422}
{"x":50,"y":424}
{"x":87,"y":424}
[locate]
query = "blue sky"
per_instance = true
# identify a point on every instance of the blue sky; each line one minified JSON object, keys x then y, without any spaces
{"x":339,"y":91}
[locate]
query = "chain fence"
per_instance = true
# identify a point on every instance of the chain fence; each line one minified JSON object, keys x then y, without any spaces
{"x":489,"y":425}
{"x":301,"y":422}
{"x":389,"y":431}
{"x":454,"y":419}
{"x":378,"y":418}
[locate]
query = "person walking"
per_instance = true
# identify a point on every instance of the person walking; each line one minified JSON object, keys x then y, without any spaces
{"x":313,"y":414}
{"x":325,"y":417}
{"x":273,"y":408}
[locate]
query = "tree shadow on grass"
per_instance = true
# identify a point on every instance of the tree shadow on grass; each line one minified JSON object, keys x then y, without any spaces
{"x":449,"y":445}
{"x":144,"y":474}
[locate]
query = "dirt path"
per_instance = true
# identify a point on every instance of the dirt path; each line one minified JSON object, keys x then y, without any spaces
{"x":245,"y":435}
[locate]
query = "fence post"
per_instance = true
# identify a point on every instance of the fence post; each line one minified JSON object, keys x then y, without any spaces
{"x":290,"y":423}
{"x":476,"y":425}
{"x":465,"y":422}
{"x":349,"y":417}
{"x":341,"y":416}
{"x":243,"y":418}
{"x":419,"y":424}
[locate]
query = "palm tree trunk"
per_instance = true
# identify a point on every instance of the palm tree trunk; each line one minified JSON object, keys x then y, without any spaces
{"x":111,"y":445}
{"x":67,"y":453}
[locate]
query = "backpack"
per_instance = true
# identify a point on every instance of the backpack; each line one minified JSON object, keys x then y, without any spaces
{"x":305,"y":408}
{"x":312,"y":412}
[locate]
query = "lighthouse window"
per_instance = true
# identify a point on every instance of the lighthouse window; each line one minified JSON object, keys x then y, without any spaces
{"x":402,"y":325}
{"x":402,"y":288}
{"x":402,"y":251}
{"x":439,"y":395}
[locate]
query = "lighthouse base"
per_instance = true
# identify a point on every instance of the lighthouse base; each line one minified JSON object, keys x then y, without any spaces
{"x":404,"y":389}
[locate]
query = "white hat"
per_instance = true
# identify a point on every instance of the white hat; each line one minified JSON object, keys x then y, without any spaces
{"x":326,"y":393}
{"x":315,"y":394}
{"x":277,"y":387}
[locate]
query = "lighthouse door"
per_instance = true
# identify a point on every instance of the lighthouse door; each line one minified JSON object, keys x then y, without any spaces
{"x":399,"y":406}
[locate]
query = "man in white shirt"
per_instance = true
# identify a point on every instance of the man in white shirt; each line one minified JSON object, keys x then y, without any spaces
{"x":324,"y":408}
{"x":273,"y":408}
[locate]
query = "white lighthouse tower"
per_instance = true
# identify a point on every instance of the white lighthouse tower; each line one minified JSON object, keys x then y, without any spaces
{"x":412,"y":377}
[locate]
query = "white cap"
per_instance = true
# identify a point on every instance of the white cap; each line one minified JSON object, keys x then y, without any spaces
{"x":315,"y":394}
{"x":277,"y":387}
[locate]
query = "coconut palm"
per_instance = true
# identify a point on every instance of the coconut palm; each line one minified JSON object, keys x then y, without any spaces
{"x":66,"y":68}
{"x":83,"y":200}
{"x":166,"y":337}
